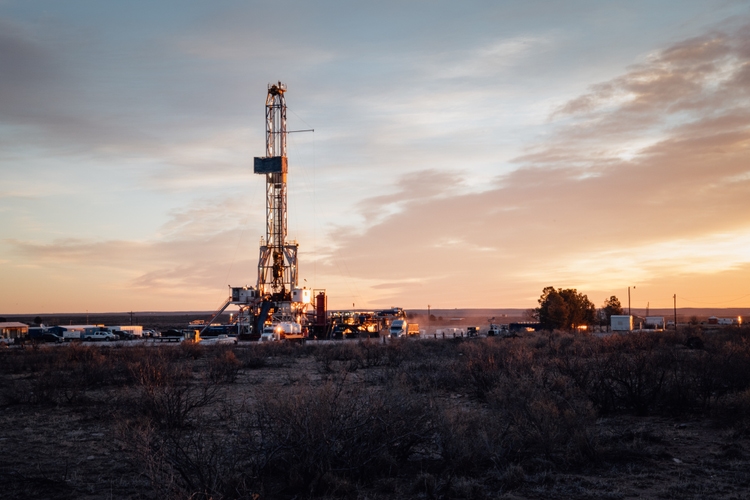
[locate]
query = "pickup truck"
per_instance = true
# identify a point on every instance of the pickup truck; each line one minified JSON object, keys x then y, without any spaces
{"x":100,"y":335}
{"x":219,"y":340}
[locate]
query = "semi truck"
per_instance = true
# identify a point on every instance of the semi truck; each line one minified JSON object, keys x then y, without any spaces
{"x":283,"y":331}
{"x":401,"y":328}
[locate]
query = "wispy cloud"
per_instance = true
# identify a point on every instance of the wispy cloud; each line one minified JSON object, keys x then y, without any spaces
{"x":601,"y":202}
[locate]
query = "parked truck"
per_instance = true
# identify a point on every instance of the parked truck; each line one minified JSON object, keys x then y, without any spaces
{"x":78,"y":332}
{"x":290,"y":331}
{"x":283,"y":331}
{"x":401,"y":328}
{"x":500,"y":331}
{"x":101,"y":333}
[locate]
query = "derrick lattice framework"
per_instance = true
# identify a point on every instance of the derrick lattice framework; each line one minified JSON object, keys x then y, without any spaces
{"x":277,"y":263}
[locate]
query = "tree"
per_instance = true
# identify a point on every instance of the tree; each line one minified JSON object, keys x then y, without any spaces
{"x":564,"y":309}
{"x":611,"y":308}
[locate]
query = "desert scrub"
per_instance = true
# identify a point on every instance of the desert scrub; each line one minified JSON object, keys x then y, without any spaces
{"x":333,"y":430}
{"x":222,"y":366}
{"x":545,"y":415}
{"x":469,"y":441}
{"x":487,"y":363}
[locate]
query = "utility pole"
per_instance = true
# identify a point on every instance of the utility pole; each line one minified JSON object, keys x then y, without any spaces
{"x":675,"y":311}
{"x":428,"y":319}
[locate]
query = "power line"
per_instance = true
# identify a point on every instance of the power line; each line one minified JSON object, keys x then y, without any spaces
{"x":714,"y":303}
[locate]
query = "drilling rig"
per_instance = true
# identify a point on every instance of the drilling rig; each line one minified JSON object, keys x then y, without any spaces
{"x":277,"y":297}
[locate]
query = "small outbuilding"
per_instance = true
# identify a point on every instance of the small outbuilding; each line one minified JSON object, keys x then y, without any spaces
{"x":11,"y":330}
{"x":655,"y":322}
{"x":621,"y":323}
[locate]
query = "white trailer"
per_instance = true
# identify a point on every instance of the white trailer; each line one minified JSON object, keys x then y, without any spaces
{"x":655,"y":322}
{"x":136,"y":331}
{"x":450,"y":332}
{"x":621,"y":323}
{"x":77,"y":332}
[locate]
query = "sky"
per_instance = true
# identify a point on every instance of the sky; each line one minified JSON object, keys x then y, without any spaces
{"x":465,"y":154}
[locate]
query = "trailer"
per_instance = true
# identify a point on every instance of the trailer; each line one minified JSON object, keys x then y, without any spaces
{"x":133,"y":330}
{"x":654,"y":323}
{"x":78,"y":332}
{"x":13,"y":331}
{"x":290,"y":331}
{"x":450,"y":332}
{"x":621,"y":323}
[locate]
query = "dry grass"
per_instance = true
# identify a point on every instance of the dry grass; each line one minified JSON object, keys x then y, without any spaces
{"x":540,"y":416}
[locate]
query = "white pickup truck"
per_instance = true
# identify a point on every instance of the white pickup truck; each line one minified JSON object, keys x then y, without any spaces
{"x":99,"y":335}
{"x":219,"y":340}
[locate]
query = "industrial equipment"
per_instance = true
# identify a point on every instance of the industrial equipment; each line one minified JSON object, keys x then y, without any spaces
{"x":277,"y":297}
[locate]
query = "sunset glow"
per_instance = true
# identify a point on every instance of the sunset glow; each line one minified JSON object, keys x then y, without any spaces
{"x":463,"y":156}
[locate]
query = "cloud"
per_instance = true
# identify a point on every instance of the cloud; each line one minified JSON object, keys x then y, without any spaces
{"x":475,"y":65}
{"x":424,"y":149}
{"x":579,"y":211}
{"x":203,"y":247}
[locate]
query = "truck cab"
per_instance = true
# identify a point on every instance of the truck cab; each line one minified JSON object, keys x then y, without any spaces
{"x":268,"y":334}
{"x":398,"y":328}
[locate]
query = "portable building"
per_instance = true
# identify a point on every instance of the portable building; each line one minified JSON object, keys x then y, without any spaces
{"x":134,"y":329}
{"x":621,"y":322}
{"x":654,"y":322}
{"x":11,"y":330}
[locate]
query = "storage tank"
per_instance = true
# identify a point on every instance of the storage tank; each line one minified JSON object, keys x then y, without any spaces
{"x":320,"y":309}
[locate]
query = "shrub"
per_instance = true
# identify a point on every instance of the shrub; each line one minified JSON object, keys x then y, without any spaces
{"x":252,"y":357}
{"x":223,"y":367}
{"x":317,"y":432}
{"x":173,"y":407}
{"x":545,"y":415}
{"x":471,"y":440}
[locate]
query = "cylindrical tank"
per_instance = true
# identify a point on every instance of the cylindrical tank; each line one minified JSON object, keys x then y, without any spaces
{"x":320,"y":309}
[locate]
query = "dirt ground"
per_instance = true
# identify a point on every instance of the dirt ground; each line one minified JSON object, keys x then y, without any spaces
{"x":74,"y":443}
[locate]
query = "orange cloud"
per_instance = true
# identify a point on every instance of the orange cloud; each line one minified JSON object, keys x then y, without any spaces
{"x":684,"y":117}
